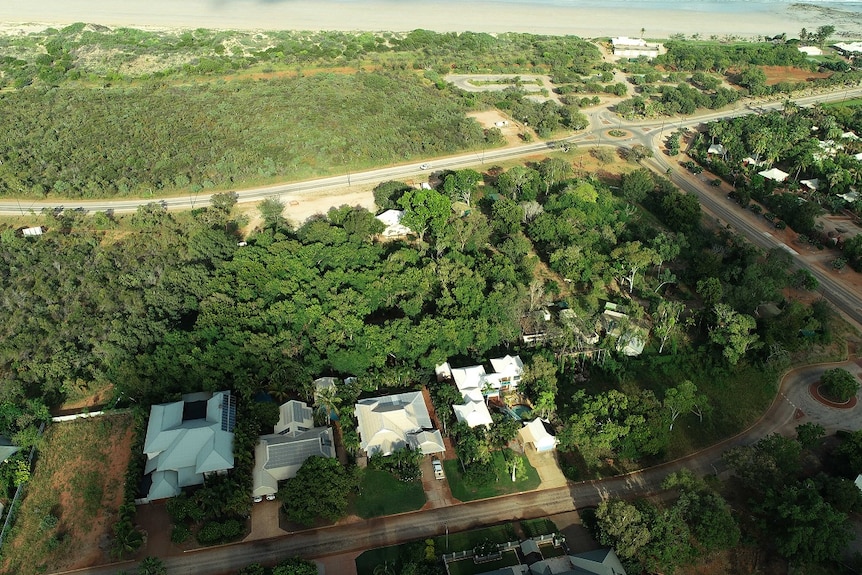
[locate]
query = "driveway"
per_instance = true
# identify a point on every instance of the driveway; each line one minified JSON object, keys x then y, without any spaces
{"x":548,"y":467}
{"x":437,"y":491}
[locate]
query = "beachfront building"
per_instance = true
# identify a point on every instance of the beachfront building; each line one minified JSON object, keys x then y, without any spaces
{"x":186,"y":441}
{"x":279,"y":455}
{"x":392,"y":422}
{"x":849,"y":49}
{"x":634,"y":47}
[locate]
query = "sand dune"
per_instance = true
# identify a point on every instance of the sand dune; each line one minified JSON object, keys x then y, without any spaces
{"x":439,"y":15}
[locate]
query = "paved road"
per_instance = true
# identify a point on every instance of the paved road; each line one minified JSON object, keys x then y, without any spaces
{"x":361,"y":535}
{"x":600,"y":122}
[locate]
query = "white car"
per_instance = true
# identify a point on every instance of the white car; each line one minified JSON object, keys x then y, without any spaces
{"x":270,"y":497}
{"x":425,"y":167}
{"x":257,"y":499}
{"x":438,"y":469}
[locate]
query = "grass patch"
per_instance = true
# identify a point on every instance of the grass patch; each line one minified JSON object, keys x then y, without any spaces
{"x":381,"y":494}
{"x":467,"y":567}
{"x":851,"y":103}
{"x":536,"y":527}
{"x":397,"y":556}
{"x":73,"y":496}
{"x":503,"y":484}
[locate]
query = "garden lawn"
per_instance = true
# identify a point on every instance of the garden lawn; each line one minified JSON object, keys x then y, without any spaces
{"x":399,"y":555}
{"x":73,"y":496}
{"x":381,"y":494}
{"x":503,"y":484}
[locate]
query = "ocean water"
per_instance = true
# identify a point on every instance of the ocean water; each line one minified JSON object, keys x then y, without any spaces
{"x":695,"y":5}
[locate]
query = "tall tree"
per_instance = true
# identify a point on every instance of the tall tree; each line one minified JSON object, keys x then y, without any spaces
{"x":732,"y":331}
{"x":425,"y":211}
{"x":666,"y":321}
{"x":633,"y":257}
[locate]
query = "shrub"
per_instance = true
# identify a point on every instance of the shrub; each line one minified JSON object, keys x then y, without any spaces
{"x":180,"y":534}
{"x":839,"y":384}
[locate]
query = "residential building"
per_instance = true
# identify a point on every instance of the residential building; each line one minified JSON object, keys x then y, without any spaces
{"x":475,"y":385}
{"x":631,"y":337}
{"x":634,"y":47}
{"x":597,"y":562}
{"x":279,"y":455}
{"x":774,"y":174}
{"x":539,"y":434}
{"x":392,"y":422}
{"x":187,"y":440}
{"x":392,"y":220}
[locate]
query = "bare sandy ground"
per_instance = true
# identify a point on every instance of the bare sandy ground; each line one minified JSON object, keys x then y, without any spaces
{"x":438,"y":15}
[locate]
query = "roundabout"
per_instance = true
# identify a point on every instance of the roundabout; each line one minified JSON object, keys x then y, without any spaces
{"x":814,"y":390}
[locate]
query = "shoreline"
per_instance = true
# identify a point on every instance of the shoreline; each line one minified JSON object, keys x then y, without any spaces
{"x":745,"y":21}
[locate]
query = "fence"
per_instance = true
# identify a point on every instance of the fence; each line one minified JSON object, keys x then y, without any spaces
{"x":13,"y":507}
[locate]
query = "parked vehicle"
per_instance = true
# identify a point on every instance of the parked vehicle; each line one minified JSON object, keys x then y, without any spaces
{"x":438,"y":469}
{"x":425,"y":167}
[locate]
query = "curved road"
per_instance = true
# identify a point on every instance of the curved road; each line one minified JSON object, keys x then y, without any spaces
{"x":383,"y":531}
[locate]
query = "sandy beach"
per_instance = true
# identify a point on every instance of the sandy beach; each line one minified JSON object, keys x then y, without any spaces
{"x":440,"y":15}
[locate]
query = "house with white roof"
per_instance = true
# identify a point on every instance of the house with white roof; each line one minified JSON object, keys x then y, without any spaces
{"x":811,"y":50}
{"x":187,"y":440}
{"x":774,"y":174}
{"x":392,"y":422}
{"x":278,"y":456}
{"x":392,"y":220}
{"x":626,"y":47}
{"x":476,"y":385}
{"x":811,"y":184}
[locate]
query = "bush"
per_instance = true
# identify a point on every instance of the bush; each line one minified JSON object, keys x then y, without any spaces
{"x":215,"y":532}
{"x":480,"y":474}
{"x":180,"y":534}
{"x":839,"y":384}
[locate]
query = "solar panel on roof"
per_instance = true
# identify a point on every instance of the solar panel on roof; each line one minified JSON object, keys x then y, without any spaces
{"x":291,"y":453}
{"x":228,"y":413}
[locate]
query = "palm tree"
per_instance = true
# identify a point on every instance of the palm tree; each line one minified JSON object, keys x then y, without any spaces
{"x":152,"y":566}
{"x":327,"y":401}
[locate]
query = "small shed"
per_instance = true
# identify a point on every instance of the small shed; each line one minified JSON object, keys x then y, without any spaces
{"x":540,"y":434}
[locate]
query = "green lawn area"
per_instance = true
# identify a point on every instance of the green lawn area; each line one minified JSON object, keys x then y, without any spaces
{"x":536,"y":527}
{"x":467,"y":567}
{"x":851,"y":103}
{"x":381,"y":494}
{"x":503,"y":484}
{"x":399,"y":555}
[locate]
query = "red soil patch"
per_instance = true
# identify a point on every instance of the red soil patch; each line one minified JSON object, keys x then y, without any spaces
{"x":776,"y":74}
{"x":79,"y":479}
{"x":814,"y":390}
